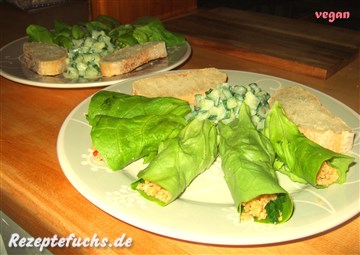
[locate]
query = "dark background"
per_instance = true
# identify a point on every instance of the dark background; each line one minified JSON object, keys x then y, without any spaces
{"x":73,"y":11}
{"x":296,"y":9}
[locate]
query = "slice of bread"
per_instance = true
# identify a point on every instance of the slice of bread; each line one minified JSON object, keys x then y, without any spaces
{"x":127,"y":59}
{"x":45,"y":58}
{"x":314,"y":120}
{"x":184,"y":85}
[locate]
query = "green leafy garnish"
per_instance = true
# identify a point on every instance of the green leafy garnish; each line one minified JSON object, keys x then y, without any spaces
{"x":274,"y":209}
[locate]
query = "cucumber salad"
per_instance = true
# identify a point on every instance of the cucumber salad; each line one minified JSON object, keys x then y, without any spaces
{"x":223,"y":103}
{"x":85,"y":54}
{"x":87,"y":42}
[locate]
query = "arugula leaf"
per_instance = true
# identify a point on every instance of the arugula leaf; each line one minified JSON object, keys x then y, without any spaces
{"x":154,"y":30}
{"x":61,"y":27}
{"x":39,"y":33}
{"x":77,"y":32}
{"x":97,"y":26}
{"x":142,"y":30}
{"x":108,"y":20}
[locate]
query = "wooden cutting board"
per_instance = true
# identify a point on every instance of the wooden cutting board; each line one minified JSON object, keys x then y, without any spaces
{"x":294,"y":45}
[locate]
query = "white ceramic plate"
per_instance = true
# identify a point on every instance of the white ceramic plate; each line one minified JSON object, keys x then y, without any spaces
{"x":205,"y":212}
{"x":12,"y":68}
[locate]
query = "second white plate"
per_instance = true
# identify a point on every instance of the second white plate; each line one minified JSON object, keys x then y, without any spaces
{"x":12,"y":68}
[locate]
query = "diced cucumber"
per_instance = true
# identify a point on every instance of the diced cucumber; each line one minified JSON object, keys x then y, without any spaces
{"x":198,"y":99}
{"x":225,"y":94}
{"x":203,"y":115}
{"x":251,"y":100}
{"x":262,"y":111}
{"x":81,"y":66}
{"x":214,"y":95}
{"x":84,"y":49}
{"x":239,"y":90}
{"x":85,"y":54}
{"x":77,"y":43}
{"x":91,"y":73}
{"x":96,"y":34}
{"x":98,"y":46}
{"x":88,"y":57}
{"x":88,"y":42}
{"x":206,"y":104}
{"x":254,"y":88}
{"x":231,"y":103}
{"x":71,"y":73}
{"x":79,"y":59}
{"x":223,"y":103}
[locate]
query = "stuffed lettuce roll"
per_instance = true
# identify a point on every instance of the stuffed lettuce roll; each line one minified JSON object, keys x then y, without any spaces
{"x":247,"y":162}
{"x":121,"y":141}
{"x":121,"y":105}
{"x":300,"y":158}
{"x":178,"y":162}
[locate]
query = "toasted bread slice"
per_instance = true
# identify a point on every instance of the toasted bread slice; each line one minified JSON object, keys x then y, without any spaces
{"x":127,"y":59}
{"x":184,"y":85}
{"x":45,"y":58}
{"x":314,"y":120}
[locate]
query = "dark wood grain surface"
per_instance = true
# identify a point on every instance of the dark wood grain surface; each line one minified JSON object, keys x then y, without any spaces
{"x":292,"y":45}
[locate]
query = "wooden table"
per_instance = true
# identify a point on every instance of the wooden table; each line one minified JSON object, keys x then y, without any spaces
{"x":36,"y":194}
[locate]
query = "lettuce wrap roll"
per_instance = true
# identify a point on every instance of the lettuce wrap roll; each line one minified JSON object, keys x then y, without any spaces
{"x":300,"y":158}
{"x":178,"y":162}
{"x":121,"y":141}
{"x":247,"y":159}
{"x":121,"y":105}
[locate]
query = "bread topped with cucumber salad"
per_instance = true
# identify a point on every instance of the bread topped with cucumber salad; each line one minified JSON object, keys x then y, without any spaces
{"x":102,"y":47}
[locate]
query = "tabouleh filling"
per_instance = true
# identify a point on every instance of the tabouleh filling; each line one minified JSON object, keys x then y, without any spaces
{"x":327,"y":175}
{"x":255,"y":208}
{"x":154,"y":190}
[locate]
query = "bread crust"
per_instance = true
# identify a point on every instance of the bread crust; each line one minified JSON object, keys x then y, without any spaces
{"x":184,"y":85}
{"x":45,"y":58}
{"x":314,"y":120}
{"x":127,"y":59}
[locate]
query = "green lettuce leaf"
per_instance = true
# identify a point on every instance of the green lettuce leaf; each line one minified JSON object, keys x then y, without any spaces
{"x":126,"y":106}
{"x":181,"y":159}
{"x":121,"y":141}
{"x":247,"y":160}
{"x":151,"y":29}
{"x":297,"y":156}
